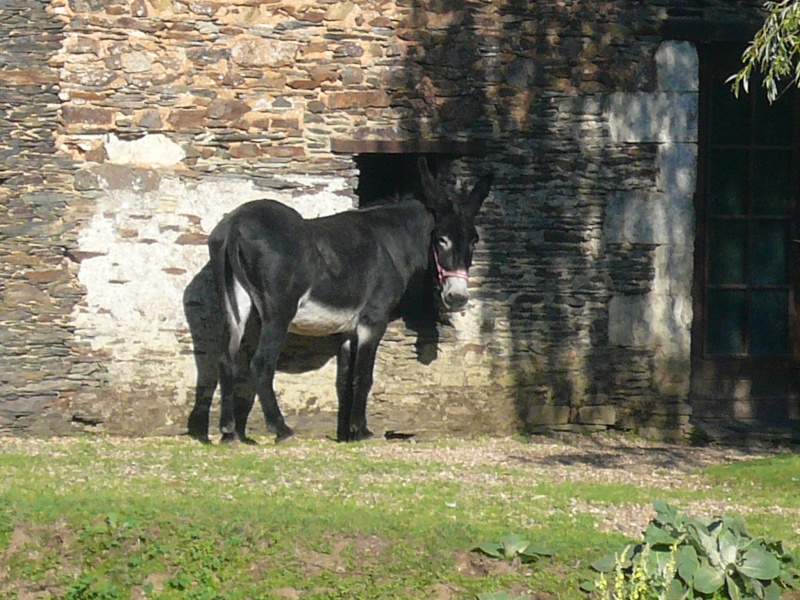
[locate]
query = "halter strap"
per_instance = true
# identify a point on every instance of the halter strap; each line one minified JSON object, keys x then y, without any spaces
{"x":460,"y":273}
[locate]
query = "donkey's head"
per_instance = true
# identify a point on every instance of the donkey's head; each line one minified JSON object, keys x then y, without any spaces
{"x":454,"y":234}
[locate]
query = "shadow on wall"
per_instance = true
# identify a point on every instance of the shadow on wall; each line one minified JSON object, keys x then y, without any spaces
{"x":558,"y":315}
{"x":529,"y":81}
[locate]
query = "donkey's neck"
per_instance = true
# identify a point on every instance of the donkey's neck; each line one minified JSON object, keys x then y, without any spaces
{"x":356,"y":249}
{"x":407,"y":238}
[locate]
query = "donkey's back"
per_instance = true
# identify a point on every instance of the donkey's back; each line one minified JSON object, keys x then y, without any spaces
{"x":329,"y":268}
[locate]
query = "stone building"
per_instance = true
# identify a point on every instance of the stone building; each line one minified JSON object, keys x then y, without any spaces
{"x":635,"y":268}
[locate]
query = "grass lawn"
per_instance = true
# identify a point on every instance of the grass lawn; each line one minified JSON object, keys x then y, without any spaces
{"x":103,"y":518}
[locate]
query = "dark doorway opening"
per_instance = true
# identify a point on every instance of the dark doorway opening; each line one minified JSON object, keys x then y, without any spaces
{"x":383,"y":177}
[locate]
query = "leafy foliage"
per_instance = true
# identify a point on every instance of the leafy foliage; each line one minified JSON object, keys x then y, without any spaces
{"x":513,"y":546}
{"x":682,"y":557}
{"x":774,"y":51}
{"x":89,"y":587}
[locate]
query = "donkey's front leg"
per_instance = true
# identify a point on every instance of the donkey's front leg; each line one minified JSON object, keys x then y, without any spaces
{"x":344,"y":388}
{"x":367,"y":340}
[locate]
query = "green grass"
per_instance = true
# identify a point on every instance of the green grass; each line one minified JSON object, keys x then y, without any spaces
{"x":167,"y":518}
{"x":766,"y":480}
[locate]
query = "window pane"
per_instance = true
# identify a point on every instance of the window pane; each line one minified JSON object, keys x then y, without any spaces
{"x":727,"y":182}
{"x":768,"y":323}
{"x":768,"y":252}
{"x":773,"y":122}
{"x":726,"y":244}
{"x":730,"y":116}
{"x":771,"y":183}
{"x":725,"y":328}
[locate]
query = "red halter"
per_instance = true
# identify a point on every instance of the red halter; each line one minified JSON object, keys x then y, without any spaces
{"x":461,"y":273}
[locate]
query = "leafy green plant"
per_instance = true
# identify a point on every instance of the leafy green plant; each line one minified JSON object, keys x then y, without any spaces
{"x":513,"y":546}
{"x":90,"y":587}
{"x":683,"y":557}
{"x":633,"y":577}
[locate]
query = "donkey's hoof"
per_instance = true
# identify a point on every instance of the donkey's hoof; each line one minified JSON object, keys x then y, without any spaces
{"x":363,"y":434}
{"x":355,"y":435}
{"x":248,"y":440}
{"x":228,"y":438}
{"x":283,"y":433}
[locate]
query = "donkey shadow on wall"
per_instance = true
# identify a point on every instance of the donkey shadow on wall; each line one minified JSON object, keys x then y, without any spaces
{"x":300,"y":354}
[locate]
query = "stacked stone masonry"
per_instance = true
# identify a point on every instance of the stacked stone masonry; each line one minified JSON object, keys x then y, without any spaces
{"x":129,"y":127}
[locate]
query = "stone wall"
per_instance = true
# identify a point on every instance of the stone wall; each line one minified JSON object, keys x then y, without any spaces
{"x":43,"y":365}
{"x":134,"y":125}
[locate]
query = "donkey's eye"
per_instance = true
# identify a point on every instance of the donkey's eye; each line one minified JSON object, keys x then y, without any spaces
{"x":445,"y":242}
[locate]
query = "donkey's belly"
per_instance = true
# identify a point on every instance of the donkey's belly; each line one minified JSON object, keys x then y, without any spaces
{"x":316,"y":319}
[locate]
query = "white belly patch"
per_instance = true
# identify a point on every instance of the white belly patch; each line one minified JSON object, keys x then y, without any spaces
{"x":315,"y":319}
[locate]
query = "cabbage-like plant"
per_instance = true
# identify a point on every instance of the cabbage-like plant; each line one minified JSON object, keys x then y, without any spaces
{"x":513,"y":546}
{"x":683,"y":557}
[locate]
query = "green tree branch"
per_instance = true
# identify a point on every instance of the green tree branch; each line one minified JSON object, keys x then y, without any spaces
{"x":773,"y":52}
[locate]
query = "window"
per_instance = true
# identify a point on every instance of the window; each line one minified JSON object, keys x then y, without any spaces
{"x":745,"y":334}
{"x":749,"y":222}
{"x":749,"y":219}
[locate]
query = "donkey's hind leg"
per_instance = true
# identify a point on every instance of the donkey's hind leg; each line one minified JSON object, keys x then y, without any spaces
{"x":235,"y":326}
{"x":244,"y":394}
{"x":263,"y":365}
{"x":227,"y":390}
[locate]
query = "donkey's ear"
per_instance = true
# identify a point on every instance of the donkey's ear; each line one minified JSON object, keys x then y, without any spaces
{"x":435,"y":198}
{"x":479,"y":193}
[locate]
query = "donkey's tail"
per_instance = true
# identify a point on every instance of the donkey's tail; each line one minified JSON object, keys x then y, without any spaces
{"x":220,"y":245}
{"x":230,"y":266}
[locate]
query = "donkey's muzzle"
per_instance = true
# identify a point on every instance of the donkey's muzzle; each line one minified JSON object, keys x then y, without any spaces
{"x":454,"y":293}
